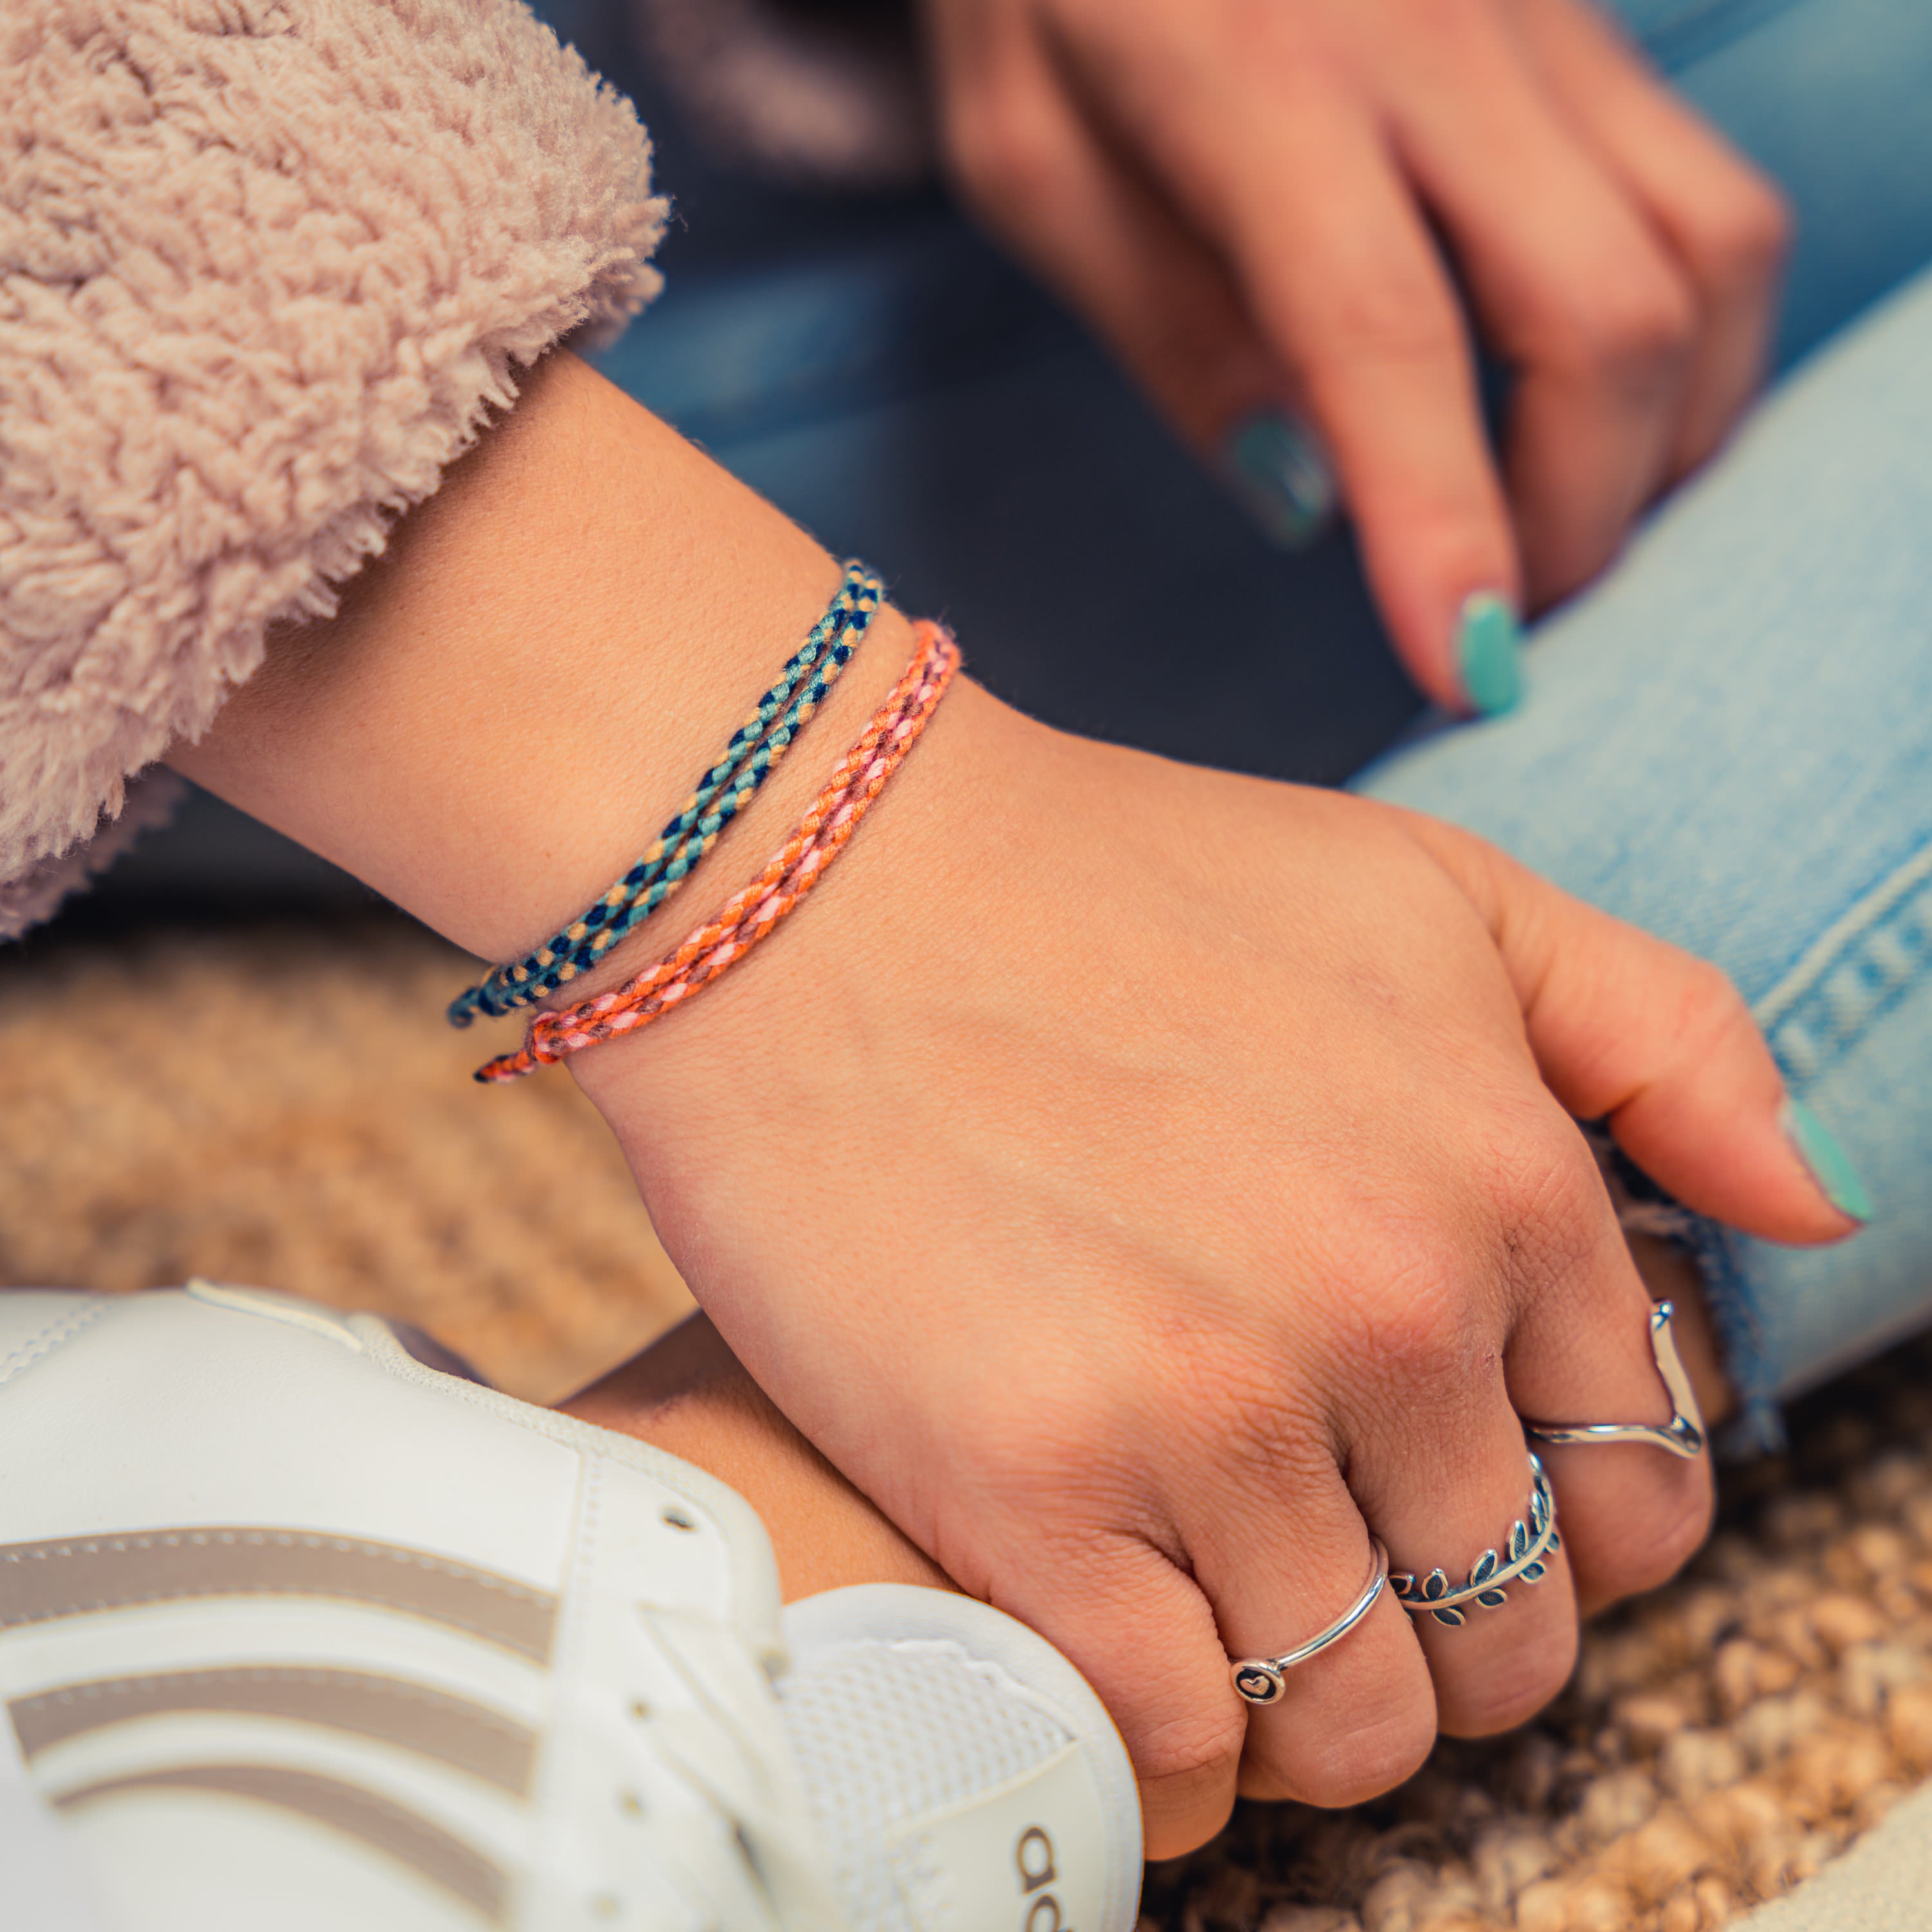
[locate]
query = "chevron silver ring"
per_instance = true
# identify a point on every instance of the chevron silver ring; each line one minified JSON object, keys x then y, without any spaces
{"x":1264,"y":1680}
{"x":1532,"y":1537}
{"x":1682,"y":1435}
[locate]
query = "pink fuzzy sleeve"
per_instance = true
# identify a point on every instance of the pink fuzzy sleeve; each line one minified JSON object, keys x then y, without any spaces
{"x":265,"y":266}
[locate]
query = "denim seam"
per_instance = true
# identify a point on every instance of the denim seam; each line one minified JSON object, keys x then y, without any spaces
{"x":1856,"y":971}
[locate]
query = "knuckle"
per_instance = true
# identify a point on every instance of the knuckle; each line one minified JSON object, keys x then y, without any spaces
{"x":1742,"y":235}
{"x":1762,"y":230}
{"x":1350,"y":1766}
{"x":1550,"y":1196}
{"x":1193,"y":1760}
{"x":1260,"y":1433}
{"x":1657,"y":1543}
{"x":1646,"y":328}
{"x":1415,"y":1310}
{"x":1511,"y":1689}
{"x":1635,"y":326}
{"x":1418,"y":1347}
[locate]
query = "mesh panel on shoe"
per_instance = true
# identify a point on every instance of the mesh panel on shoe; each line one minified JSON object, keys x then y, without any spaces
{"x":883,"y":1732}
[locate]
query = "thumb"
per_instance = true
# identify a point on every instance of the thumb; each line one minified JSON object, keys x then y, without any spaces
{"x":1659,"y":1043}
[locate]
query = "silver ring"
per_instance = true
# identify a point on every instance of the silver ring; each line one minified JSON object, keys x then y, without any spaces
{"x":1682,"y":1435}
{"x":1531,"y":1538}
{"x":1263,"y":1680}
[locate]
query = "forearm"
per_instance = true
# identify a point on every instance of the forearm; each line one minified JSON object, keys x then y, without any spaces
{"x":514,"y":698}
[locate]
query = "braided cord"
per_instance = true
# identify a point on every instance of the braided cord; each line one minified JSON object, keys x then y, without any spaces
{"x":751,"y":914}
{"x":757,"y":748}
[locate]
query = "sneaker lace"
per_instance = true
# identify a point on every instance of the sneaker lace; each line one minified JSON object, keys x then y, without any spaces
{"x":754,"y":1790}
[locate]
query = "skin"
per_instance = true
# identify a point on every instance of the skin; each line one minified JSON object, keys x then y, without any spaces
{"x":689,"y":1395}
{"x":1139,"y":1181}
{"x":1262,"y":203}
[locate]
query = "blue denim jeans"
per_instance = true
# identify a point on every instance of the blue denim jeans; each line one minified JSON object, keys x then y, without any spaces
{"x":884,"y":376}
{"x":1729,"y":741}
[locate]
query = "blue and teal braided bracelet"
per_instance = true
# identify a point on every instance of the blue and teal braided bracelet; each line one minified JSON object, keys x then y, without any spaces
{"x":754,"y":752}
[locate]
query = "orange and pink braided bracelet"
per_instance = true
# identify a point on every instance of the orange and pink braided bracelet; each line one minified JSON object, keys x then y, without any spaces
{"x":751,"y":914}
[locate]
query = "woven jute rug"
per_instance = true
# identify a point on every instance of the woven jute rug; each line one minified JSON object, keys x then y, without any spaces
{"x":286,"y":1108}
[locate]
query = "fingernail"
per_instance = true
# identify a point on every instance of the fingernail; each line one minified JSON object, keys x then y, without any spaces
{"x":1831,"y":1166}
{"x":1279,"y":472}
{"x":1489,"y":650}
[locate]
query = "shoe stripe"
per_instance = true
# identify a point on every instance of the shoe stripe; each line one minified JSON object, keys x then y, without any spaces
{"x":438,"y":1854}
{"x":42,"y":1582}
{"x":467,"y":1736}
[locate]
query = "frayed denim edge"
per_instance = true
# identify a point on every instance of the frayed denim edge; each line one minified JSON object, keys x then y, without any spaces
{"x":1854,"y":973}
{"x":1757,"y":1429}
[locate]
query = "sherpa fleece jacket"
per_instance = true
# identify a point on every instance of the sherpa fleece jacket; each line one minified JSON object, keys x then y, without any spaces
{"x":266,"y":266}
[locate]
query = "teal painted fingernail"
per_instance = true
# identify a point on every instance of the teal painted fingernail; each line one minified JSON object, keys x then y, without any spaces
{"x":1831,"y":1166}
{"x":1489,"y":653}
{"x":1279,"y":471}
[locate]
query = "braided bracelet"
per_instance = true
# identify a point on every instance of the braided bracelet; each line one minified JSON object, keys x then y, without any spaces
{"x":793,"y":870}
{"x":754,"y":754}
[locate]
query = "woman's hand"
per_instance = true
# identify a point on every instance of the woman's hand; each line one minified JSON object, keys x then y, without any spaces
{"x":1244,"y":196}
{"x":1145,"y":1184}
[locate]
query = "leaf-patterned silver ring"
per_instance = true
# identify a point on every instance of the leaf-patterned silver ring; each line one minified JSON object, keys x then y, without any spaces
{"x":1263,"y":1680}
{"x":1531,"y":1538}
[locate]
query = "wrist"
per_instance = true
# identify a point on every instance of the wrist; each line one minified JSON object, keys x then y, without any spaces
{"x":610,"y":972}
{"x":809,"y":1017}
{"x":511,"y":701}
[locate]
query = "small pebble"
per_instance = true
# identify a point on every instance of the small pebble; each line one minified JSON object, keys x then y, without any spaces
{"x":1715,"y":1903}
{"x":1879,"y":1548}
{"x":1307,"y":1919}
{"x":1681,"y":1914}
{"x":1648,"y":1718}
{"x":1663,"y":1858}
{"x":1695,"y":1762}
{"x":1843,"y":1620}
{"x":1908,"y":1725}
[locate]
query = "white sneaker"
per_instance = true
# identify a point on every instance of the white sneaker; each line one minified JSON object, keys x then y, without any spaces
{"x":297,"y":1631}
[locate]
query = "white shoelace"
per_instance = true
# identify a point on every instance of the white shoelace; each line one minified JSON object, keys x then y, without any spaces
{"x":740,"y":1775}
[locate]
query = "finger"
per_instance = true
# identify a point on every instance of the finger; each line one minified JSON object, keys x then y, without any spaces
{"x":1144,"y":1637}
{"x":1437,"y":1464}
{"x":1724,"y":221}
{"x":1659,"y":1043}
{"x":1575,"y":291}
{"x":1580,"y":1352}
{"x":1288,"y":174}
{"x":1280,"y":1548}
{"x":1047,"y":181}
